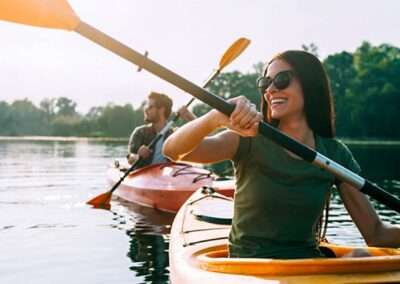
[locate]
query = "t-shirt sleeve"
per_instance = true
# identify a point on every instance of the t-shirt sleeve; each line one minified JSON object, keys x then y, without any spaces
{"x":243,"y":149}
{"x":135,"y":141}
{"x":346,"y":159}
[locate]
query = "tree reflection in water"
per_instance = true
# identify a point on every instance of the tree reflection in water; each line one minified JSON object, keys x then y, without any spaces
{"x":148,"y":230}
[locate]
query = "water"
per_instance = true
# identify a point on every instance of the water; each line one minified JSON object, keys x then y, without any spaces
{"x":49,"y":235}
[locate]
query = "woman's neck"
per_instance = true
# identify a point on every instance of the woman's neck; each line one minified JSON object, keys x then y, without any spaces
{"x":298,"y":130}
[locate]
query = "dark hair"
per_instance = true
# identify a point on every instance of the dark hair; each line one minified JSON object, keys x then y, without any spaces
{"x":162,"y":100}
{"x":318,"y":101}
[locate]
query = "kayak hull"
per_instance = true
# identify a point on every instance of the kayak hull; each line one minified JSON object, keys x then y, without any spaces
{"x":198,"y":254}
{"x":165,"y":186}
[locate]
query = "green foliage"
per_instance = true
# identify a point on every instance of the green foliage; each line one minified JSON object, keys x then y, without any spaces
{"x":58,"y":117}
{"x":366,"y":88}
{"x":233,"y":84}
{"x":21,"y":118}
{"x":365,"y":85}
{"x":118,"y":121}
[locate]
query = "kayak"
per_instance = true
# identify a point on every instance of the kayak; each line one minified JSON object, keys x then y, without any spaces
{"x":198,"y":253}
{"x":165,"y":186}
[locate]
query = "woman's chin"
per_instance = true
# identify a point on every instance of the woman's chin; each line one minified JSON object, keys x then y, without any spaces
{"x":276,"y":115}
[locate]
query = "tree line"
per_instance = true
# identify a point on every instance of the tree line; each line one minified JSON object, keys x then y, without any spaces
{"x":59,"y":117}
{"x":365,"y":85}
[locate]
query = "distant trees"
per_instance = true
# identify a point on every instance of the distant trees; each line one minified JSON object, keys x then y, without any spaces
{"x":58,"y":117}
{"x":365,"y":86}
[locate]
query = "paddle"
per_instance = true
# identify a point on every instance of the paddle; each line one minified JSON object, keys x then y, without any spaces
{"x":58,"y":14}
{"x":103,"y":200}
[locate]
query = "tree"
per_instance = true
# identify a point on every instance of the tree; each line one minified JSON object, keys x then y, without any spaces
{"x":233,"y":84}
{"x":47,"y":106}
{"x":5,"y":119}
{"x":311,"y":48}
{"x":342,"y":74}
{"x":119,"y":121}
{"x":27,"y":119}
{"x":65,"y":107}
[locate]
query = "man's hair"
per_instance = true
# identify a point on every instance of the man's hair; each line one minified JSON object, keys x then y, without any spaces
{"x":162,"y":100}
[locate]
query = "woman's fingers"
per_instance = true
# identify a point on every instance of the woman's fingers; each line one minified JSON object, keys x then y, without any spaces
{"x":245,"y":113}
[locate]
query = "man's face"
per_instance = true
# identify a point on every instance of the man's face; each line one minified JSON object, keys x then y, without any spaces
{"x":152,"y":114}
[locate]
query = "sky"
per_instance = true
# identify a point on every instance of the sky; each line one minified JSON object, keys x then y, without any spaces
{"x":188,"y":37}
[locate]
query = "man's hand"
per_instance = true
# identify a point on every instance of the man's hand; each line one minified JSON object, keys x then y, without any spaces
{"x":144,"y":152}
{"x":185,"y":114}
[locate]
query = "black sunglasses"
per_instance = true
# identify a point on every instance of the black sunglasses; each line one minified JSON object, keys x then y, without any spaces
{"x":281,"y":81}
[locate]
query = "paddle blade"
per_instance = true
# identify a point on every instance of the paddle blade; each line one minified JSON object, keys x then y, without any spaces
{"x":233,"y":51}
{"x":54,"y":14}
{"x":101,"y":201}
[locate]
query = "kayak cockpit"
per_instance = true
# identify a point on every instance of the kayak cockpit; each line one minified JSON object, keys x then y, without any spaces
{"x":215,"y":258}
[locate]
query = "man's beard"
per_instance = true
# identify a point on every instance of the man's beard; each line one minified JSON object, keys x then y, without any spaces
{"x":153,"y":119}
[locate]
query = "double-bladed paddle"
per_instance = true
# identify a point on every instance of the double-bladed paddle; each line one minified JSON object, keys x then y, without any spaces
{"x":103,"y":200}
{"x":58,"y":14}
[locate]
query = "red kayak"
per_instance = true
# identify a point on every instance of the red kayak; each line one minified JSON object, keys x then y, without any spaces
{"x":166,"y":186}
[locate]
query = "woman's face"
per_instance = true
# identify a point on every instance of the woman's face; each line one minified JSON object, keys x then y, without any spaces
{"x":286,"y":103}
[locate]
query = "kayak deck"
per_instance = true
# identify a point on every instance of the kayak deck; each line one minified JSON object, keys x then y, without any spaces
{"x":198,"y":254}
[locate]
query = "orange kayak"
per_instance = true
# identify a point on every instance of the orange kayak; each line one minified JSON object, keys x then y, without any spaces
{"x":198,"y":254}
{"x":166,"y":186}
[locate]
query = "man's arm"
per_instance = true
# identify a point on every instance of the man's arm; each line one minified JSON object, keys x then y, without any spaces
{"x":137,"y":146}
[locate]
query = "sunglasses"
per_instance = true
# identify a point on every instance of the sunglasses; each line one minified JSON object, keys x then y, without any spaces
{"x":281,"y":81}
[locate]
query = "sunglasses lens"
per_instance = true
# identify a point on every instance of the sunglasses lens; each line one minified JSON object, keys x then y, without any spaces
{"x":263,"y":83}
{"x":282,"y":80}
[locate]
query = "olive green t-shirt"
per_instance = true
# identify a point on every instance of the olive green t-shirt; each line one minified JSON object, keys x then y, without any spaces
{"x":279,"y":198}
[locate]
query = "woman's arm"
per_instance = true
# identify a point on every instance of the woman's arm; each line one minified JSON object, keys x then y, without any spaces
{"x":374,"y":231}
{"x":190,"y":142}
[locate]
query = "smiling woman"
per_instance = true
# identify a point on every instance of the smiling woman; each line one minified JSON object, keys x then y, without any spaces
{"x":279,"y":198}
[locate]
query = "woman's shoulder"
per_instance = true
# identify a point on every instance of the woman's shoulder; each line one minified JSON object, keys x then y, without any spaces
{"x":332,"y":144}
{"x":337,"y":150}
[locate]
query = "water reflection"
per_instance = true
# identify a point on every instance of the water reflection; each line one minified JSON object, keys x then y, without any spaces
{"x":148,"y":230}
{"x":43,"y":186}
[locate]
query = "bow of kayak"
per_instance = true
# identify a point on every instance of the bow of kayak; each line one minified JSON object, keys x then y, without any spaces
{"x":198,"y":254}
{"x":165,"y":186}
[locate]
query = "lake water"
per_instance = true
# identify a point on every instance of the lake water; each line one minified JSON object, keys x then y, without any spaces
{"x":49,"y":235}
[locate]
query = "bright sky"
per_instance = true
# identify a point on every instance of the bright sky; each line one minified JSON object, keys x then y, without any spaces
{"x":186,"y":36}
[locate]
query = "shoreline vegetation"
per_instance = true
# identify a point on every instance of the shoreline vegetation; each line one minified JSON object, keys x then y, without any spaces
{"x":355,"y":142}
{"x":65,"y":139}
{"x":365,"y":86}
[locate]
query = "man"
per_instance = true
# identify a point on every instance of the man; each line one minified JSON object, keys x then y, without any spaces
{"x":156,"y":113}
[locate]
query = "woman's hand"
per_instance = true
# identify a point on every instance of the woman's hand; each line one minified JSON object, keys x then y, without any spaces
{"x":244,"y":119}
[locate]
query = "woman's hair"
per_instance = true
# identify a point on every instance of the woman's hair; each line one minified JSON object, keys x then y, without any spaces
{"x":162,"y":100}
{"x":318,"y":101}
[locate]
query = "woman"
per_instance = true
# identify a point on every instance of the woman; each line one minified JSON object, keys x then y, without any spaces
{"x":279,"y":197}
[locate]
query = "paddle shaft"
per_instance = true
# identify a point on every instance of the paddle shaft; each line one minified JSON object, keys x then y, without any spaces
{"x":163,"y":131}
{"x":221,"y":105}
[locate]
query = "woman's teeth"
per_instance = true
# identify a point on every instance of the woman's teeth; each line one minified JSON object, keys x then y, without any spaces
{"x":278,"y":101}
